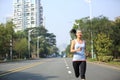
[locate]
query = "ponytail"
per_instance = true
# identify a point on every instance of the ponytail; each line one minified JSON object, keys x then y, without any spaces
{"x":73,"y":31}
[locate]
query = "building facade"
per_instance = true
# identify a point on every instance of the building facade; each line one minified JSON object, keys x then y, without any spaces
{"x":27,"y":14}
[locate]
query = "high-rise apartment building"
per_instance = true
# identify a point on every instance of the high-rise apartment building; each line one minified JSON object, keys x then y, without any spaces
{"x":27,"y":14}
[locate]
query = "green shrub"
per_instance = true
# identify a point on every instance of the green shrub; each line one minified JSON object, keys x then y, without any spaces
{"x":105,"y":58}
{"x":116,"y":60}
{"x":100,"y":58}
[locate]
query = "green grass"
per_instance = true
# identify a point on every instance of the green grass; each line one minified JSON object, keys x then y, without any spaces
{"x":114,"y":63}
{"x":91,"y":60}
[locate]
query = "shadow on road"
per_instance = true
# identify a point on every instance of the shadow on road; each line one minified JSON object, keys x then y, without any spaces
{"x":27,"y":76}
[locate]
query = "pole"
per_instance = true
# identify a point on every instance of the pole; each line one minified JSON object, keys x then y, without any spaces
{"x":38,"y":47}
{"x":29,"y":39}
{"x":90,"y":7}
{"x":29,"y":43}
{"x":10,"y":49}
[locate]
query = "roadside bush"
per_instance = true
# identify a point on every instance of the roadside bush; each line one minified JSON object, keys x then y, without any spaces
{"x":116,"y":60}
{"x":105,"y":58}
{"x":100,"y":58}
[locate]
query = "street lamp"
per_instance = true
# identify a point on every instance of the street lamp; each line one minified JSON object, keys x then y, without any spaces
{"x":90,"y":6}
{"x":91,"y":33}
{"x":38,"y":46}
{"x":29,"y":39}
{"x":77,"y":25}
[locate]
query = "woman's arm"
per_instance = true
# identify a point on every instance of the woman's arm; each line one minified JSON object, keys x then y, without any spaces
{"x":72,"y":49}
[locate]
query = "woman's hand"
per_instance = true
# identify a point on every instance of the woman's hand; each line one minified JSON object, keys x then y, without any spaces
{"x":79,"y":49}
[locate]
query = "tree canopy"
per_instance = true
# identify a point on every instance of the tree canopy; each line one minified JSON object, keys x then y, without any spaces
{"x":47,"y":42}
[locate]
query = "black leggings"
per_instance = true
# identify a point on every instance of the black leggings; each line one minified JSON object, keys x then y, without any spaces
{"x":79,"y":68}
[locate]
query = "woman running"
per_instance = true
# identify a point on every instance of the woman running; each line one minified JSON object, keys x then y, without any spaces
{"x":79,"y":58}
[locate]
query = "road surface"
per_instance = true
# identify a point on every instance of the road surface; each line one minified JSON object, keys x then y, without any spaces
{"x":53,"y":69}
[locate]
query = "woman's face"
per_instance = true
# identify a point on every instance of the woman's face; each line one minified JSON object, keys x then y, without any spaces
{"x":78,"y":34}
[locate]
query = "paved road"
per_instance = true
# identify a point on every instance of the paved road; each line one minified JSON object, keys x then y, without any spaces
{"x":53,"y":69}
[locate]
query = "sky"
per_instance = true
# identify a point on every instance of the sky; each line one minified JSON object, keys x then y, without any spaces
{"x":59,"y":15}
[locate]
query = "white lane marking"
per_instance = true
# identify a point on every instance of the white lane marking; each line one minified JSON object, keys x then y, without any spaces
{"x":69,"y":72}
{"x":65,"y":62}
{"x":67,"y":67}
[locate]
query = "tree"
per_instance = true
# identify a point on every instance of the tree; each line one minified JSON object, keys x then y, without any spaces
{"x":47,"y":41}
{"x":20,"y":42}
{"x":97,"y":25}
{"x":115,"y":36}
{"x":67,"y":51}
{"x":102,"y":44}
{"x":21,"y":47}
{"x":6,"y":34}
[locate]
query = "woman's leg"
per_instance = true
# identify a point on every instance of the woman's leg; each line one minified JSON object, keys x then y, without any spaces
{"x":83,"y":69}
{"x":76,"y":65}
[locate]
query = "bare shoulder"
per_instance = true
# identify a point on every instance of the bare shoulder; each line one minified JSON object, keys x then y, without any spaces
{"x":73,"y":41}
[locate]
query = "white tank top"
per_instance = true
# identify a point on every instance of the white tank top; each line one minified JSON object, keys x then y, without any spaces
{"x":79,"y":55}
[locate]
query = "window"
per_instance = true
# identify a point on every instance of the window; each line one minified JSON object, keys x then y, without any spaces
{"x":32,"y":18}
{"x":32,"y":13}
{"x":19,"y":14}
{"x":27,"y":14}
{"x":32,"y":9}
{"x":32,"y":5}
{"x":27,"y":10}
{"x":18,"y":6}
{"x":32,"y":22}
